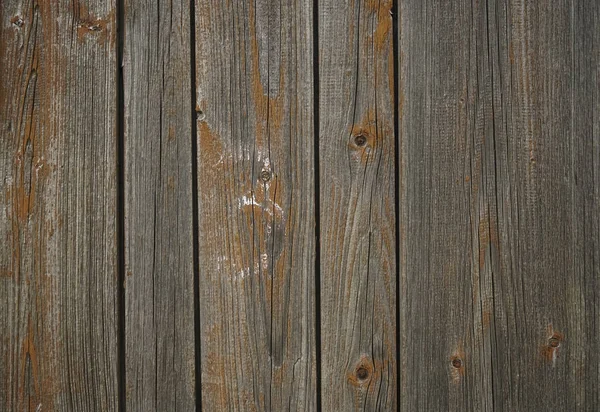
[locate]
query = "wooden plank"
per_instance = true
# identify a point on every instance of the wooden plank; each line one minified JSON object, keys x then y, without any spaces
{"x":159,"y":292}
{"x":58,"y":261}
{"x":448,"y":219}
{"x":256,"y":204}
{"x":499,"y":205}
{"x":547,"y":288}
{"x":357,"y":206}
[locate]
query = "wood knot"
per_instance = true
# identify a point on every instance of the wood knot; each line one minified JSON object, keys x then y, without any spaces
{"x":360,"y":140}
{"x":457,"y":366}
{"x":550,"y":349}
{"x":17,"y":21}
{"x":362,"y":372}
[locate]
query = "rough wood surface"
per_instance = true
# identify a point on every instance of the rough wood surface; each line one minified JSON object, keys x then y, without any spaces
{"x":159,"y":277}
{"x":547,"y":287}
{"x":499,"y":198}
{"x":58,"y":259}
{"x":256,"y":204}
{"x":358,"y":242}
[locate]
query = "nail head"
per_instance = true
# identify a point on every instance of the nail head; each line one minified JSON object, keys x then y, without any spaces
{"x":265,"y":175}
{"x":17,"y":21}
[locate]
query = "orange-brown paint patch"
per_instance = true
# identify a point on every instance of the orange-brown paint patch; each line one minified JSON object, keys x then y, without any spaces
{"x":6,"y":273}
{"x":95,"y":28}
{"x":486,"y":319}
{"x":29,"y":356}
{"x":211,"y":147}
{"x":383,"y":32}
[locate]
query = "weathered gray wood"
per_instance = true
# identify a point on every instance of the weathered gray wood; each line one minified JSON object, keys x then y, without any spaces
{"x":448,"y":223}
{"x":256,"y":204}
{"x":58,"y":259}
{"x":499,"y":195}
{"x":358,"y":244}
{"x":547,"y":289}
{"x":159,"y":280}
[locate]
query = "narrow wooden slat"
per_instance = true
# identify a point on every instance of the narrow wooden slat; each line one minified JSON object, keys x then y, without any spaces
{"x":499,"y":205}
{"x":448,"y":218}
{"x":58,"y":260}
{"x":358,"y":242}
{"x":256,"y":204}
{"x":159,"y":277}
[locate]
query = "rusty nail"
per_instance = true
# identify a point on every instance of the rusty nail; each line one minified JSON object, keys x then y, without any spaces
{"x":265,"y":175}
{"x":457,"y":363}
{"x":362,"y":373}
{"x":360,"y":140}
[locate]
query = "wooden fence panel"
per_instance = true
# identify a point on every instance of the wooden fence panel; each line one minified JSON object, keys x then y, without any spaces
{"x":159,"y":252}
{"x":58,"y":260}
{"x":357,"y":210}
{"x":256,"y":204}
{"x":458,"y":269}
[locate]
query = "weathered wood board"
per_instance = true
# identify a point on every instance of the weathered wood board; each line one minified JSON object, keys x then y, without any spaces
{"x":58,"y":185}
{"x":357,"y":211}
{"x":256,"y":204}
{"x":499,"y":212}
{"x":159,"y":252}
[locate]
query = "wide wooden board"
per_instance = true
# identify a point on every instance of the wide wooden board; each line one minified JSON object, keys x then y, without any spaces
{"x":58,"y":190}
{"x":499,"y":221}
{"x":256,"y":204}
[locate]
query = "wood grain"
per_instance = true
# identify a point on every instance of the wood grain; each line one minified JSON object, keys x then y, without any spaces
{"x":547,"y":287}
{"x":159,"y":275}
{"x":58,"y":260}
{"x":357,"y":210}
{"x":256,"y":204}
{"x":499,"y":205}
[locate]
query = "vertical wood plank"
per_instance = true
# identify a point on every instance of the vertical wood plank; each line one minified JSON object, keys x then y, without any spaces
{"x":159,"y":276}
{"x":357,"y":205}
{"x":499,"y":205}
{"x":58,"y":260}
{"x":256,"y":204}
{"x":548,"y":168}
{"x":448,"y":219}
